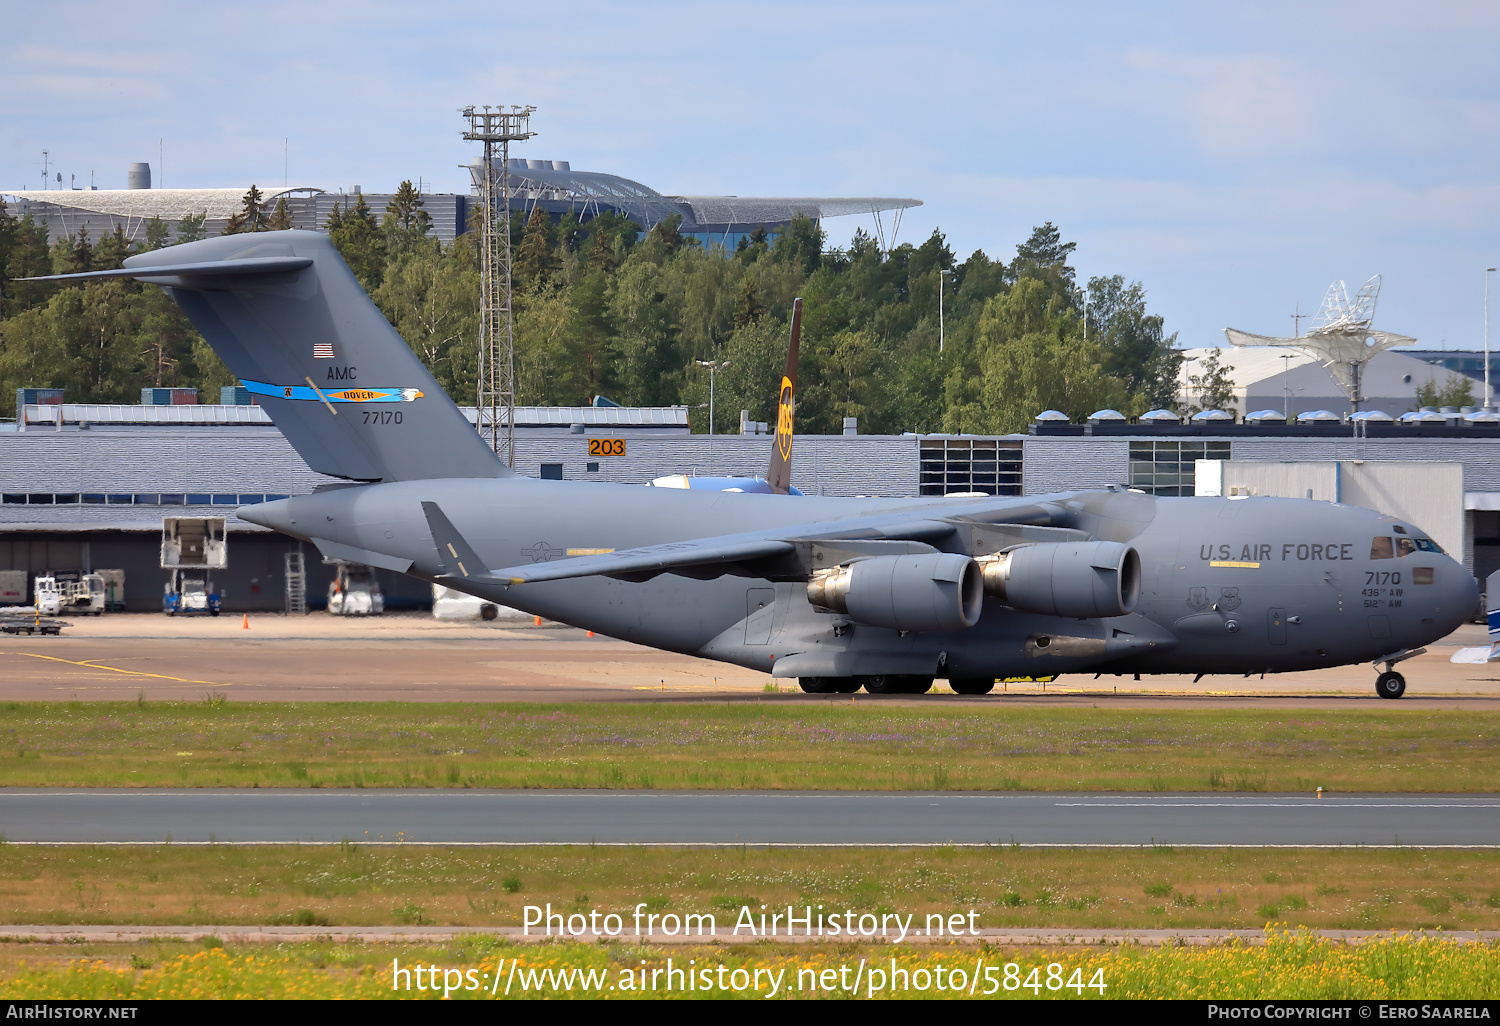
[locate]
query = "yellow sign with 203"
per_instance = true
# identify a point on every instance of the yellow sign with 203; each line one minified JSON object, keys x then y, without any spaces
{"x":606,"y":447}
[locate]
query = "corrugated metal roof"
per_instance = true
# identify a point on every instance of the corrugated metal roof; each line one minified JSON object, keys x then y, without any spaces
{"x":594,"y":416}
{"x":526,"y":416}
{"x":98,"y":413}
{"x":165,"y":458}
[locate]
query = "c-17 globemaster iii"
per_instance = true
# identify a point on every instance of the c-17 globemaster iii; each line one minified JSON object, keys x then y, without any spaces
{"x":841,"y":593}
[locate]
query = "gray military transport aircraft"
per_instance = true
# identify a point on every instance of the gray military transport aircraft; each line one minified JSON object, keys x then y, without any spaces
{"x":884,"y":594}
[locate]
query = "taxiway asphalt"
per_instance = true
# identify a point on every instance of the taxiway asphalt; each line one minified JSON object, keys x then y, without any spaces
{"x":731,"y":818}
{"x":413,"y":658}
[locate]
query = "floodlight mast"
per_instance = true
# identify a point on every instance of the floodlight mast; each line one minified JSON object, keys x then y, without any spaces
{"x":496,"y":385}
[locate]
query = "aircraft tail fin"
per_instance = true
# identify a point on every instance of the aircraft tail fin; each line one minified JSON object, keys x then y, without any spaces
{"x":779,"y":473}
{"x":290,"y":320}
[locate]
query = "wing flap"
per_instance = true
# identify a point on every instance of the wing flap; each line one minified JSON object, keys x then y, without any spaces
{"x":651,"y":559}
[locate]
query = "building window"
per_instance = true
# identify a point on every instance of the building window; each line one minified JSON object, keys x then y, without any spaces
{"x":552,"y":471}
{"x":1167,"y":468}
{"x":592,"y":468}
{"x":991,"y":466}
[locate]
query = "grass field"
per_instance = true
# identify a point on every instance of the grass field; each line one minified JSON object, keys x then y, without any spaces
{"x":1095,"y":888}
{"x":1288,"y":966}
{"x":860,"y":745}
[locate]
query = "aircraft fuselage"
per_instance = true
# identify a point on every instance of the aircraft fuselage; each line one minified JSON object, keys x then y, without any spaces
{"x":1228,"y":585}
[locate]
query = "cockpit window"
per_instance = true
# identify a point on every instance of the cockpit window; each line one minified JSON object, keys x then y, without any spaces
{"x":1428,"y":545}
{"x":1405,"y":547}
{"x":1381,"y":548}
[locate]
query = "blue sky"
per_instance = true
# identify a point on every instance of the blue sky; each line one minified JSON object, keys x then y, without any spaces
{"x":1234,"y":159}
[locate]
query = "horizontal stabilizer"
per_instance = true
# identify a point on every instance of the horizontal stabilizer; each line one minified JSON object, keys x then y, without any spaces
{"x":457,"y":558}
{"x":201,"y":269}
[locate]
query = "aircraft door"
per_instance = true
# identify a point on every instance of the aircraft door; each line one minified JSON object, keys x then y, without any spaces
{"x":1276,"y":626}
{"x":760,"y":608}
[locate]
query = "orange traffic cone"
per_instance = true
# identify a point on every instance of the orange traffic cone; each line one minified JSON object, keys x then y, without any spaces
{"x":539,"y":621}
{"x":591,"y":634}
{"x":246,"y":624}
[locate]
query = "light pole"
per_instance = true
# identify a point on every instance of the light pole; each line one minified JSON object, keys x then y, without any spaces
{"x":941,"y":275}
{"x":1286,"y":387}
{"x":1487,"y":272}
{"x":713,"y":368}
{"x":1186,"y":385}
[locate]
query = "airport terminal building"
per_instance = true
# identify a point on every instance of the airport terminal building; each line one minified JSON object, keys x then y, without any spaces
{"x":86,"y":487}
{"x":550,"y":185}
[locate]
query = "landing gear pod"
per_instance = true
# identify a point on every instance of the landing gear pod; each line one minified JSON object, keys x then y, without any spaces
{"x":934,"y":591}
{"x":1077,"y":579}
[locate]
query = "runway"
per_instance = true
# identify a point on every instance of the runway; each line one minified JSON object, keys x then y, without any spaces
{"x":735,"y":817}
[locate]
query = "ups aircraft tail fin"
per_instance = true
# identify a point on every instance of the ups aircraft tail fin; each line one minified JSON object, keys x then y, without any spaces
{"x":290,"y":320}
{"x":779,"y":474}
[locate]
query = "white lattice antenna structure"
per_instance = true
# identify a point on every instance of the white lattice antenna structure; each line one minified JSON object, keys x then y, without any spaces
{"x":1342,"y":338}
{"x":496,"y":387}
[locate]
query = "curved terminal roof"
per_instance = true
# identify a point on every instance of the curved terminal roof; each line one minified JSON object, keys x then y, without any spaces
{"x":594,"y":189}
{"x":167,"y":204}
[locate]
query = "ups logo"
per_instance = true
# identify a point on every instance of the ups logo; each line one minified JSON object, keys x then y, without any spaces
{"x":784,"y":420}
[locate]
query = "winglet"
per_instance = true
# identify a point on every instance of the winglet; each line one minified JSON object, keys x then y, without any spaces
{"x":457,"y":558}
{"x":779,"y":474}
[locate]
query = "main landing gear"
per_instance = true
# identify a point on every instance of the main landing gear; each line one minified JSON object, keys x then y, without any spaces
{"x":878,"y":684}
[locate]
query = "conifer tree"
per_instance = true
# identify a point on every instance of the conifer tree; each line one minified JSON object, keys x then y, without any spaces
{"x":281,"y":220}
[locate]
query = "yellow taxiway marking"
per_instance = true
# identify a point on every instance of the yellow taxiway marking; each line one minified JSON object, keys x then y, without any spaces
{"x":1236,"y":563}
{"x":93,"y":665}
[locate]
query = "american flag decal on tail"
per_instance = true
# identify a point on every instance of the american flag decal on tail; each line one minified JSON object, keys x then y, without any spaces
{"x":322,"y":350}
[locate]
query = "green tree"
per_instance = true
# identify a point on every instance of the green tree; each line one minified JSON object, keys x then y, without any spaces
{"x":28,"y":256}
{"x":1213,"y":385}
{"x":1457,"y":390}
{"x":157,"y":232}
{"x":535,"y":260}
{"x":1138,"y":350}
{"x":281,"y":220}
{"x":1044,"y":251}
{"x":360,"y":242}
{"x":251,"y":216}
{"x":405,"y":211}
{"x":1040,"y":372}
{"x":190,"y":228}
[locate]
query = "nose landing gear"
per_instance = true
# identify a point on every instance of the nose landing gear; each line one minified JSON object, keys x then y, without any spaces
{"x":1390,"y":684}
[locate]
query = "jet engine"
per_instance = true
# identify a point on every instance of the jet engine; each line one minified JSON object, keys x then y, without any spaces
{"x":933,"y":591}
{"x":1077,"y":579}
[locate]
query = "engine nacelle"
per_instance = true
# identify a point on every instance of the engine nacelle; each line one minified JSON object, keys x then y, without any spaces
{"x":1078,"y":579}
{"x":933,"y":591}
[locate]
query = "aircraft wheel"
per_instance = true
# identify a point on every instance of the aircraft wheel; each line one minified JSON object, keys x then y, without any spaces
{"x":845,"y":685}
{"x":917,"y":685}
{"x":971,"y":685}
{"x":818,"y":685}
{"x":883,"y":683}
{"x":1390,"y":684}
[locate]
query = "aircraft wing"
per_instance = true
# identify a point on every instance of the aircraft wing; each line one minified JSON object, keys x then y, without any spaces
{"x":790,"y":549}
